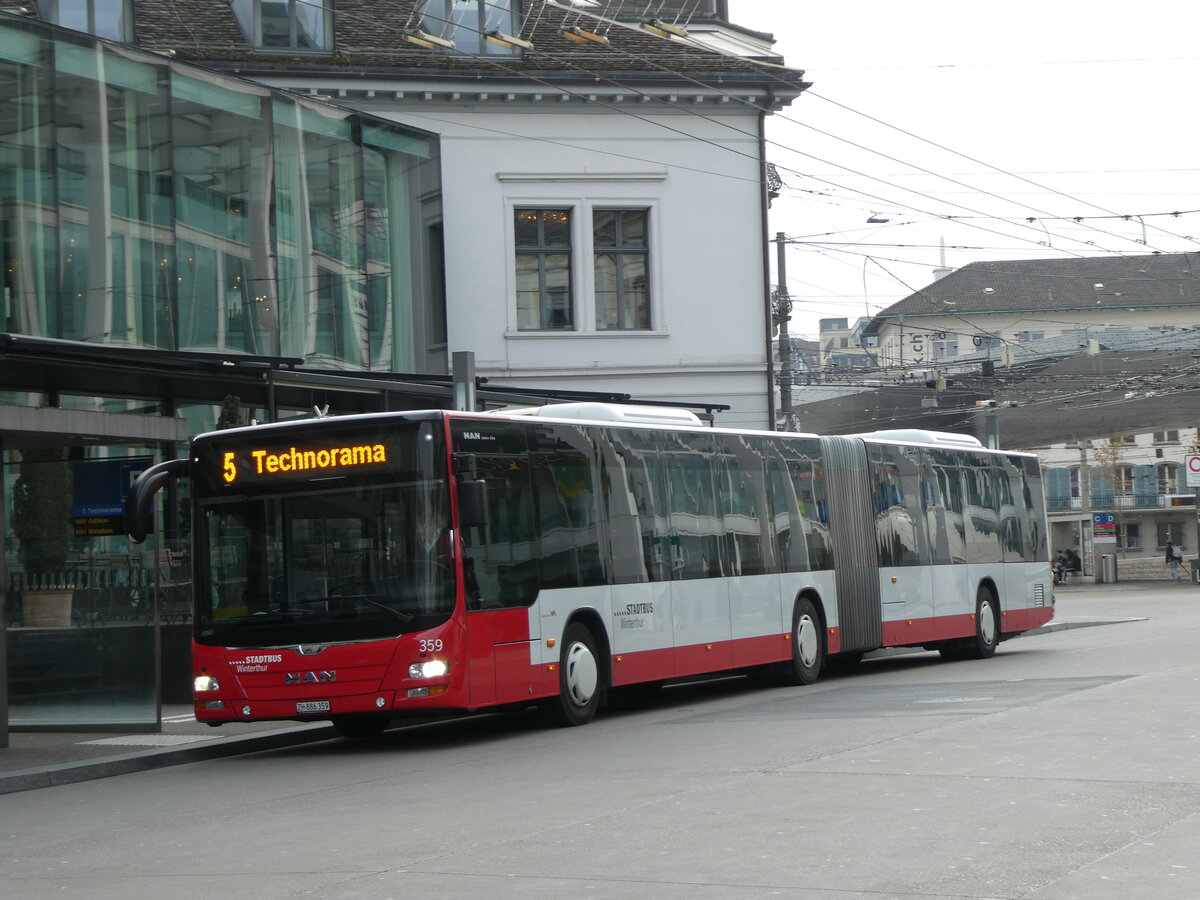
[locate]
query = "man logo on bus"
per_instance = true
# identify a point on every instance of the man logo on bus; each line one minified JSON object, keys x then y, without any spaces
{"x":322,"y":677}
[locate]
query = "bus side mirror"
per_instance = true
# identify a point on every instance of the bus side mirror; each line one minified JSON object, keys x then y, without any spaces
{"x":472,"y":503}
{"x":139,"y":520}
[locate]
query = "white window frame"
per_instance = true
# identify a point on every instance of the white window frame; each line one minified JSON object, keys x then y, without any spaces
{"x":583,"y":276}
{"x":1167,"y":475}
{"x":623,"y":253}
{"x":1125,"y":480}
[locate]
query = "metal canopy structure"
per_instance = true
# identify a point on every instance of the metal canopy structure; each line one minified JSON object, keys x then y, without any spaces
{"x":56,"y":367}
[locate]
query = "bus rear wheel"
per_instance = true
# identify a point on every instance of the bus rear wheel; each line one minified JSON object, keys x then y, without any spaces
{"x":579,"y":679}
{"x":808,"y":644}
{"x":987,"y":631}
{"x":987,"y":627}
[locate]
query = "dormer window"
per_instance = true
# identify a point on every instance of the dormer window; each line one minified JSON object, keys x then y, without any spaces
{"x":112,"y":19}
{"x":286,"y":24}
{"x":467,"y":22}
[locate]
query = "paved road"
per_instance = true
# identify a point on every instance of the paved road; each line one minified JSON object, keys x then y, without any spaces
{"x":1065,"y":767}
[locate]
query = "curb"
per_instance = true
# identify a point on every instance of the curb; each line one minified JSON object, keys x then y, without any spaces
{"x":127,"y":763}
{"x":1081,"y":623}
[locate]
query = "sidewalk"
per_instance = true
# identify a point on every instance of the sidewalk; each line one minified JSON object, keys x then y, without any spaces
{"x":43,"y":759}
{"x":35,"y":759}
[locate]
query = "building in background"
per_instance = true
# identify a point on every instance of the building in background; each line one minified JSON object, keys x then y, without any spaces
{"x":845,"y":349}
{"x":1007,"y":311}
{"x":1140,"y":479}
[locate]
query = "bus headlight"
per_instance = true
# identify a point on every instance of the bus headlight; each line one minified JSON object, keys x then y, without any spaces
{"x":202,"y":683}
{"x":432,"y":668}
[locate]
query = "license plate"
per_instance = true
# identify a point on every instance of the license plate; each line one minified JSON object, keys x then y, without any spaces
{"x":312,"y":706}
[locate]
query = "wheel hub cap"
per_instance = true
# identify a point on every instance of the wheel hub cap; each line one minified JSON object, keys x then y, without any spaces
{"x":582,"y":674}
{"x":806,"y":640}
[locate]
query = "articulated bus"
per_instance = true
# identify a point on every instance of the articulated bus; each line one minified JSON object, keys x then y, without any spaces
{"x":369,"y":567}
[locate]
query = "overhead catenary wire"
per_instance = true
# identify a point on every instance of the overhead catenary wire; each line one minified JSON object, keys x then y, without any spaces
{"x":764,"y":67}
{"x":633,"y":89}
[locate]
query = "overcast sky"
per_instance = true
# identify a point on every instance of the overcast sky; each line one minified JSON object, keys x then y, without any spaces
{"x":1052,"y":110}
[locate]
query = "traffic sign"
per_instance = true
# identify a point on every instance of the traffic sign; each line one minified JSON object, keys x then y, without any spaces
{"x":1192,"y":467}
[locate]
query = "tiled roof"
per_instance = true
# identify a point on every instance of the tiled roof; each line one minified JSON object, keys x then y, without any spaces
{"x":1107,"y":282}
{"x":368,"y":40}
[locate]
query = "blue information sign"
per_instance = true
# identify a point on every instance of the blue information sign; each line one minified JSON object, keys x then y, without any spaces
{"x":101,"y":485}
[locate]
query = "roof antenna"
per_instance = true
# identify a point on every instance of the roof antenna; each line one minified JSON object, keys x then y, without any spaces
{"x":321,"y":412}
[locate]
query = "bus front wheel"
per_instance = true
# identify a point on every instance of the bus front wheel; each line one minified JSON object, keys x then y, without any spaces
{"x":808,"y":644}
{"x":579,"y":679}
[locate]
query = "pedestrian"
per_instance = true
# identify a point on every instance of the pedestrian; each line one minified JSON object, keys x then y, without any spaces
{"x":1174,"y":558}
{"x":1060,"y":567}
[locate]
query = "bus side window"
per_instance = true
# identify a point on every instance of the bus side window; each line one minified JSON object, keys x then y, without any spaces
{"x":800,"y":507}
{"x":944,"y":511}
{"x":747,"y":546}
{"x":899,"y":505}
{"x":635,"y":506}
{"x":567,"y":541}
{"x":694,"y":511}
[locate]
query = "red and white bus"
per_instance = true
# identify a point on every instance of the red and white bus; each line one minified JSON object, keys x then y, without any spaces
{"x":368,"y":567}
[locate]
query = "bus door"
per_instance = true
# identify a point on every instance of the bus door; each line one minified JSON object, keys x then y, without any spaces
{"x":639,"y":553}
{"x":500,"y":569}
{"x":948,"y":523}
{"x":899,"y":502}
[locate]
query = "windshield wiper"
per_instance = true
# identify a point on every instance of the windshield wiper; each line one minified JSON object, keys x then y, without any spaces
{"x":378,"y":604}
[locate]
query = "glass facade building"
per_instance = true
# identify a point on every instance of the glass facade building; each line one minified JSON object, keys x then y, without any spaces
{"x":150,"y":205}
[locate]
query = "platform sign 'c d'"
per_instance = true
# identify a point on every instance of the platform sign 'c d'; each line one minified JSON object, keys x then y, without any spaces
{"x":1104,"y":526}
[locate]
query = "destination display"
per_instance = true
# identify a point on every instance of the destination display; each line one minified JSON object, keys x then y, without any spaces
{"x":265,"y":463}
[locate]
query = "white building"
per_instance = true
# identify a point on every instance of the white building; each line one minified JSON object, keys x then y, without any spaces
{"x":998,"y":309}
{"x":1141,"y":479}
{"x":604,"y":190}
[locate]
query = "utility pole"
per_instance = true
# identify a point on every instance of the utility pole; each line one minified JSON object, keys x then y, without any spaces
{"x":781,"y":305}
{"x":1085,"y":511}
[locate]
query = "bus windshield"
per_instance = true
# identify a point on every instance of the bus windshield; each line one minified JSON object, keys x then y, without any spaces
{"x":327,"y":560}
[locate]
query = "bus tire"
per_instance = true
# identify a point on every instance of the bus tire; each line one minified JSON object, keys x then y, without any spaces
{"x":808,"y":644}
{"x":360,"y":726}
{"x":579,"y":679}
{"x":987,"y":627}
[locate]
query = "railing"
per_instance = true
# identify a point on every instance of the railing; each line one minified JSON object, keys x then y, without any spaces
{"x":1121,"y":500}
{"x":111,"y":588}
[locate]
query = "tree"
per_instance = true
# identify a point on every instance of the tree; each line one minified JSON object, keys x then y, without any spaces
{"x":231,"y":413}
{"x":41,"y":517}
